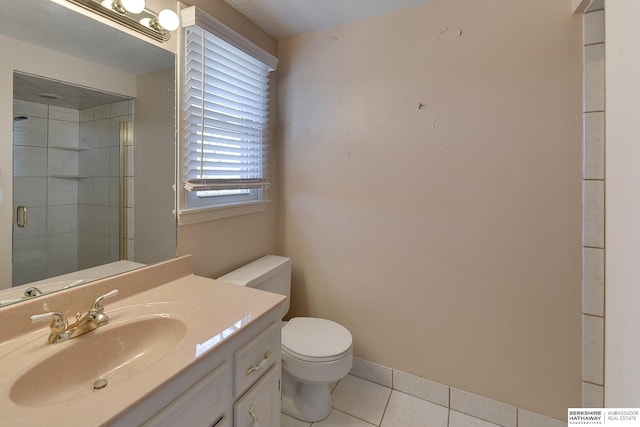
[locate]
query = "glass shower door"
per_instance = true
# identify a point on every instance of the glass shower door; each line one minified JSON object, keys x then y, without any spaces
{"x":29,"y":193}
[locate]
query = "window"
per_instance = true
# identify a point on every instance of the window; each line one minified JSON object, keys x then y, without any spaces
{"x":225,"y":101}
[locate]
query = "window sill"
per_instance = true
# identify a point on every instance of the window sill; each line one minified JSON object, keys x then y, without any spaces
{"x":194,"y":216}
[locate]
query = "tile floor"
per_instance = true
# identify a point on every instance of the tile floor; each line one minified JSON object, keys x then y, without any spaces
{"x":361,"y":403}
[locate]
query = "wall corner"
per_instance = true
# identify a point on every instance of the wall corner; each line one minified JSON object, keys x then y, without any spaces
{"x":579,"y":6}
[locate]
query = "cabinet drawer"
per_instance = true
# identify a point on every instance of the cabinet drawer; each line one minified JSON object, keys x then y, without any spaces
{"x":201,"y":405}
{"x":260,"y":406}
{"x":256,"y":357}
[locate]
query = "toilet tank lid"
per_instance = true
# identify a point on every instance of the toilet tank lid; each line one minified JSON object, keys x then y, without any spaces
{"x":257,"y":271}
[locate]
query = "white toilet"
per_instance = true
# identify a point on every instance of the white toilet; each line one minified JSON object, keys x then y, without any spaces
{"x":315,"y":352}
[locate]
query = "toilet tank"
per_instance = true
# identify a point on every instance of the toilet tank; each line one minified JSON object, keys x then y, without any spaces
{"x":270,"y":273}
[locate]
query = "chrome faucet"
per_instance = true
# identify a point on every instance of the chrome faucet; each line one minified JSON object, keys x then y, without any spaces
{"x":62,"y":331}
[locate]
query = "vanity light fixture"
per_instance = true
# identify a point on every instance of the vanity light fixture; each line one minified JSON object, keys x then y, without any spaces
{"x":134,"y":15}
{"x":133,"y":6}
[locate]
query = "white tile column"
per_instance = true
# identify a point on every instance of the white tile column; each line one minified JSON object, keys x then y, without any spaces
{"x":593,"y":236}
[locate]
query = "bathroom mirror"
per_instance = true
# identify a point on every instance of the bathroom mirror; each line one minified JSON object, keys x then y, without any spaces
{"x":93,"y":147}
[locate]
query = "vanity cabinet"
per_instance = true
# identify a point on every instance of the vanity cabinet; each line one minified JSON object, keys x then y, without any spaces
{"x":203,"y":403}
{"x":236,"y":383}
{"x":260,"y":406}
{"x":255,"y":357}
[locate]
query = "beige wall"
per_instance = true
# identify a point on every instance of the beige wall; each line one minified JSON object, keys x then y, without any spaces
{"x":220,"y":246}
{"x":431,"y":192}
{"x":154,"y":161}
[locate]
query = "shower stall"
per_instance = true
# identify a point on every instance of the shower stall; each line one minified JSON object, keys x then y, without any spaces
{"x":72,"y":171}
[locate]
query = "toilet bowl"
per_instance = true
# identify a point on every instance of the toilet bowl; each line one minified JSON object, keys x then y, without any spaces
{"x":315,"y":352}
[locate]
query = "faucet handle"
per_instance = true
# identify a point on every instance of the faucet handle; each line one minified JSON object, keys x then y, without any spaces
{"x":97,"y":311}
{"x":97,"y":305}
{"x":58,"y":321}
{"x":58,"y":326}
{"x":40,"y":317}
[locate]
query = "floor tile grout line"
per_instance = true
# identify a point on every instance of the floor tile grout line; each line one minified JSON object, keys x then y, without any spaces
{"x":478,"y":418}
{"x":388,"y":399}
{"x":386,"y":406}
{"x":449,"y":407}
{"x":356,"y":417}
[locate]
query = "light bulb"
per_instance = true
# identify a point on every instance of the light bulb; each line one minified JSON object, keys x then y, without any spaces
{"x":133,"y":6}
{"x":168,"y":20}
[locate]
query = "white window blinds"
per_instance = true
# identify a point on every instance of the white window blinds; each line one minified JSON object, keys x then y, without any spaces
{"x":225,"y":119}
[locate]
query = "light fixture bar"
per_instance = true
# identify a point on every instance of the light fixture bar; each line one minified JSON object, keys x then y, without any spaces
{"x":133,"y":23}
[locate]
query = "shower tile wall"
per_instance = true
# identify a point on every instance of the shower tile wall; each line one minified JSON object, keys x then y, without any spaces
{"x":593,"y":236}
{"x":99,"y":193}
{"x":30,"y":189}
{"x":66,"y":168}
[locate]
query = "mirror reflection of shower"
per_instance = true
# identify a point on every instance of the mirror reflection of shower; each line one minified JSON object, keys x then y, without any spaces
{"x":72,"y":168}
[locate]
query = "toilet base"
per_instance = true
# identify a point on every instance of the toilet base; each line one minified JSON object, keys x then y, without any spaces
{"x":306,"y":401}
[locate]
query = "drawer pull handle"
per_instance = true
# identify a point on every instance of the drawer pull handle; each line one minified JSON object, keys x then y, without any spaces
{"x":254,"y":417}
{"x":261,"y":365}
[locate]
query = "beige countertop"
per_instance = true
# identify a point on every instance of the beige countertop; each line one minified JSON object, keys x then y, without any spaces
{"x":213,"y":311}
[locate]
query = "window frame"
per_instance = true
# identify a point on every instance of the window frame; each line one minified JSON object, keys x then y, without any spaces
{"x":192,"y":213}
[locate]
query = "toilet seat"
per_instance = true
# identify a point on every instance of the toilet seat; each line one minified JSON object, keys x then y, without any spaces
{"x":315,"y":340}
